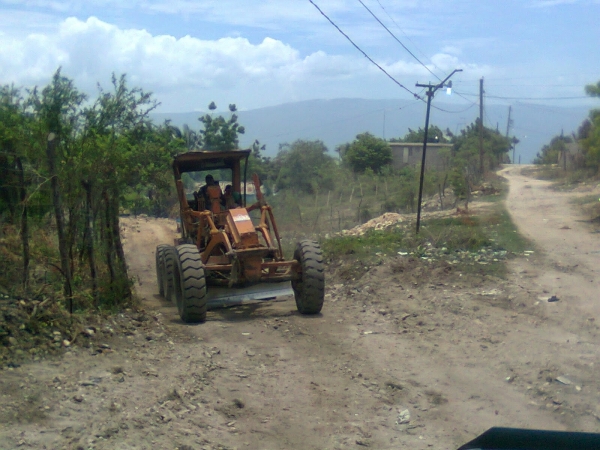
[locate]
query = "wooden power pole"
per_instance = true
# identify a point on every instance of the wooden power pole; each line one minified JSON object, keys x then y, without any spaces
{"x":508,"y":124}
{"x":431,"y":89}
{"x":481,"y":126}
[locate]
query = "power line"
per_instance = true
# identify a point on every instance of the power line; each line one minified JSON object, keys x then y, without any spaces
{"x":535,"y":85}
{"x":407,"y":36}
{"x":486,"y":115}
{"x":411,"y":53}
{"x":525,"y":98}
{"x":406,"y":48}
{"x":546,"y":77}
{"x":398,"y":40}
{"x":454,"y":112}
{"x":364,"y":54}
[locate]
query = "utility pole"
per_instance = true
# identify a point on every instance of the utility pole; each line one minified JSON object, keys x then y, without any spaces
{"x":431,"y":88}
{"x":481,"y":125}
{"x":508,"y":124}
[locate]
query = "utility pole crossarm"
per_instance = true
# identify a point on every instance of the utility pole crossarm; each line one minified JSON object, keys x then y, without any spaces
{"x":434,"y":87}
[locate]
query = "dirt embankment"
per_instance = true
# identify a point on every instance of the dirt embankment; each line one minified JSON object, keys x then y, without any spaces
{"x":406,"y":354}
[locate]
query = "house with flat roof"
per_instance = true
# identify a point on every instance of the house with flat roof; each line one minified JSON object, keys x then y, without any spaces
{"x":411,"y":153}
{"x":571,"y":157}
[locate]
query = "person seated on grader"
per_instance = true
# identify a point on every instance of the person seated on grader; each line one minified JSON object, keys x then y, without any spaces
{"x":210,"y":195}
{"x":232,"y":199}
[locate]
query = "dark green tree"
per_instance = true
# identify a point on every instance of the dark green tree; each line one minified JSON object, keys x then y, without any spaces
{"x":593,"y":90}
{"x":81,"y":163}
{"x":367,"y":152}
{"x":220,"y":133}
{"x":261,"y":165}
{"x":464,"y":169}
{"x":550,"y":152}
{"x":12,"y":120}
{"x":591,"y":139}
{"x":304,"y":166}
{"x":14,"y":182}
{"x":434,"y":135}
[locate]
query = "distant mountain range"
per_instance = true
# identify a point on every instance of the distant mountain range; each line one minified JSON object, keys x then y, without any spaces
{"x":338,"y":121}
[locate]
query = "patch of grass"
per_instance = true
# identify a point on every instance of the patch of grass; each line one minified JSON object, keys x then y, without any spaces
{"x":482,"y":242}
{"x":563,"y":179}
{"x":366,"y":245}
{"x":497,"y":182}
{"x":544,"y":172}
{"x":585,"y":200}
{"x":504,"y":233}
{"x":453,"y":233}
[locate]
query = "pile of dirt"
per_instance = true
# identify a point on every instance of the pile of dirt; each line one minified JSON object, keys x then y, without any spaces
{"x":485,"y":189}
{"x":378,"y":223}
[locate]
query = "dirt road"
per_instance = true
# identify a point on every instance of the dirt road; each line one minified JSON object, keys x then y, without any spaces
{"x":570,"y":263}
{"x":403,"y":356}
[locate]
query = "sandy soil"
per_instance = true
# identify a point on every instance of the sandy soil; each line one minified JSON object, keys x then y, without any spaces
{"x":403,"y":356}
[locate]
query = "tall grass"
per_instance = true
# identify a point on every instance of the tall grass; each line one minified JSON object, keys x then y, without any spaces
{"x":354,"y":200}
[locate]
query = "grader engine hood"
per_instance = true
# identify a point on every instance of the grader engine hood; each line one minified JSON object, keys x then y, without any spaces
{"x":242,"y":228}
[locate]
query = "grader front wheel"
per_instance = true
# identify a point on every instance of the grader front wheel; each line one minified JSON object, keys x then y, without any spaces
{"x":309,"y":289}
{"x":160,"y":268}
{"x":190,"y":284}
{"x":169,"y":266}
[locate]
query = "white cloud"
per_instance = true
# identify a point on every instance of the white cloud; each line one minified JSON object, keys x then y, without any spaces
{"x":545,"y":3}
{"x":447,"y":63}
{"x":92,"y":49}
{"x":186,"y":73}
{"x":452,"y":50}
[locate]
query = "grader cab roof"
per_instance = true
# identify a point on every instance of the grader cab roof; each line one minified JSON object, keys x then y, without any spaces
{"x":208,"y":160}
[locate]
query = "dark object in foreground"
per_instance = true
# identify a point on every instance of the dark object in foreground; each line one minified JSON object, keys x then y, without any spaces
{"x":520,"y":439}
{"x":554,"y":298}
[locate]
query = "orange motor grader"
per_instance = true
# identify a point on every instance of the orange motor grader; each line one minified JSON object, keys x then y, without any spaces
{"x":224,"y":256}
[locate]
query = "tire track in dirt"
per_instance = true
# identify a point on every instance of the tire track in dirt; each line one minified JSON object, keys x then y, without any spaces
{"x":570,"y":254}
{"x":425,"y":358}
{"x":319,"y":382}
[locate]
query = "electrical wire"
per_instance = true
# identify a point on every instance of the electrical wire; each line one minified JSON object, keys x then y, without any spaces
{"x":454,"y":112}
{"x":407,"y":36}
{"x":487,"y":117}
{"x":397,"y":40}
{"x":364,"y":54}
{"x":406,"y":48}
{"x":415,"y":95}
{"x":524,"y":98}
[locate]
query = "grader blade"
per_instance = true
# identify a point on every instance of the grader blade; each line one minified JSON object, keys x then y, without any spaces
{"x":219,"y":297}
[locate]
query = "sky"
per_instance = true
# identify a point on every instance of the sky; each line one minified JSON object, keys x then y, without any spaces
{"x":258,"y":53}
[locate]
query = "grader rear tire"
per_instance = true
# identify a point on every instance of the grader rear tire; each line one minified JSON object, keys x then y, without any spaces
{"x":160,"y":268}
{"x":190,"y":284}
{"x":309,"y":290}
{"x":169,"y":258}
